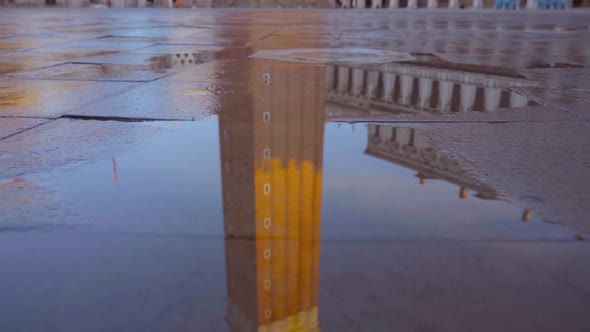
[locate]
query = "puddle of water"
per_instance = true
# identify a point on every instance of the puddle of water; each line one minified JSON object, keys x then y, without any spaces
{"x":386,"y":176}
{"x":254,"y":198}
{"x":248,"y":200}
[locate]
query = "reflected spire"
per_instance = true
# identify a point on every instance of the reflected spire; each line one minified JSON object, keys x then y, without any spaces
{"x":271,"y":157}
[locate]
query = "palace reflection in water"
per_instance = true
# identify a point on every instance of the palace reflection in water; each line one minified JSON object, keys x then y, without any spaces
{"x":271,"y":159}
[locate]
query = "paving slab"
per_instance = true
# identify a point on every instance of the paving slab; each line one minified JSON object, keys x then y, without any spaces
{"x":11,"y":62}
{"x":64,"y":144}
{"x":11,"y":126}
{"x":565,"y":88}
{"x":157,"y":100}
{"x":211,"y":71}
{"x":54,"y":57}
{"x":11,"y":67}
{"x":51,"y":99}
{"x":26,"y":42}
{"x":177,"y":61}
{"x":520,"y":171}
{"x":97,"y":72}
{"x":453,"y":286}
{"x":100,"y":44}
{"x":179,"y":48}
{"x":103,"y":261}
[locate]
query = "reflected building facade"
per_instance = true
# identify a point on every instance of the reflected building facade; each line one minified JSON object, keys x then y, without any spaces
{"x":408,"y":147}
{"x":271,"y":159}
{"x":423,"y":87}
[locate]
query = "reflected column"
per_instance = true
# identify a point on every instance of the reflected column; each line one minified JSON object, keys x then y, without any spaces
{"x":271,"y":155}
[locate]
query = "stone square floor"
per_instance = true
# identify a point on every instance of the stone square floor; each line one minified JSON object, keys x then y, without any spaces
{"x":294,"y":170}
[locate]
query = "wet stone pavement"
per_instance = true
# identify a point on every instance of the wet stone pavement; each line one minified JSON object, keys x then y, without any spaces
{"x":218,"y":170}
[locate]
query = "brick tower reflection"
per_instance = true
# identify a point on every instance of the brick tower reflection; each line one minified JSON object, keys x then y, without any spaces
{"x":271,"y":157}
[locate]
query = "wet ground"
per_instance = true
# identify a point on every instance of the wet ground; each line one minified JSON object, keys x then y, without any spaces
{"x":167,"y":170}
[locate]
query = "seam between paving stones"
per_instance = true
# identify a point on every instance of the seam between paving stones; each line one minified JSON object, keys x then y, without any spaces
{"x":542,"y":101}
{"x":135,"y":119}
{"x":15,"y":74}
{"x":88,"y":80}
{"x":325,"y":241}
{"x":27,"y":129}
{"x":266,"y":35}
{"x":453,"y":122}
{"x":58,"y":44}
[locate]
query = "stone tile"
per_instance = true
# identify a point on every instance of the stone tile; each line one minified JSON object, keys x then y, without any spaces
{"x":98,"y":72}
{"x":64,"y":144}
{"x":157,"y":100}
{"x":25,"y":42}
{"x":113,"y":275}
{"x":206,"y":72}
{"x":179,"y":48}
{"x":452,"y":286}
{"x":13,"y":67}
{"x":177,"y":61}
{"x":52,"y":99}
{"x":11,"y":126}
{"x":98,"y":44}
{"x":53,"y":57}
{"x":540,"y":165}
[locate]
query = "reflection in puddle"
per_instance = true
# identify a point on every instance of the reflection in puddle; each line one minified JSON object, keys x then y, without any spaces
{"x":408,"y":147}
{"x":180,"y":60}
{"x":287,"y":176}
{"x":418,"y":88}
{"x":274,"y":178}
{"x":271,"y":159}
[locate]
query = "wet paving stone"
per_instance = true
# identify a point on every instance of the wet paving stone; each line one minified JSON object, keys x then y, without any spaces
{"x":157,"y":100}
{"x":95,"y":44}
{"x":12,"y":67}
{"x":98,"y":72}
{"x":177,"y":61}
{"x":65,"y":144}
{"x":53,"y":57}
{"x":12,"y":126}
{"x":180,"y":48}
{"x":50,"y":99}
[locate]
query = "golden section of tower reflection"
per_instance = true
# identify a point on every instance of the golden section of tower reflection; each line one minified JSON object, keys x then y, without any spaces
{"x":271,"y":155}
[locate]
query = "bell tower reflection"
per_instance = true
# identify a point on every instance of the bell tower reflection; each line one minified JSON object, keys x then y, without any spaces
{"x":271,"y":157}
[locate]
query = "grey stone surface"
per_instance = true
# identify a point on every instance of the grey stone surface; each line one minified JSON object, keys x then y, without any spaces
{"x":50,"y":99}
{"x":11,"y":126}
{"x":97,"y":72}
{"x":157,"y":100}
{"x":454,"y":286}
{"x":532,"y":163}
{"x":65,"y":144}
